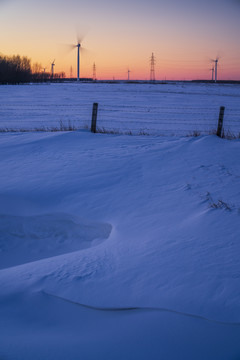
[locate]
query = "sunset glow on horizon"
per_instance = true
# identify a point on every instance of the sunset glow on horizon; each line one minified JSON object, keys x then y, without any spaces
{"x":183,"y":35}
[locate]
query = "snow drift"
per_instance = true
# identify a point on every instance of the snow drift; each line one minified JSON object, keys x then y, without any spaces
{"x":163,"y":280}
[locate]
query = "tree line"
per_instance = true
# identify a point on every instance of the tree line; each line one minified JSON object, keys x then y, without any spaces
{"x":18,"y":69}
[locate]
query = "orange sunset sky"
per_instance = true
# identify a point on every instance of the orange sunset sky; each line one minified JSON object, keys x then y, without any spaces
{"x":120,"y":35}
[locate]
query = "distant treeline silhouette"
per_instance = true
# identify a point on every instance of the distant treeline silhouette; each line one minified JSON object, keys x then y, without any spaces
{"x":18,"y":69}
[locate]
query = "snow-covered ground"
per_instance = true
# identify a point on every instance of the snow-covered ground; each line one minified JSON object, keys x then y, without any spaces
{"x":119,"y":247}
{"x":156,"y":109}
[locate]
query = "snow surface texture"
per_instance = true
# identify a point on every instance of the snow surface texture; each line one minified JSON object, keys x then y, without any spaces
{"x":119,"y":247}
{"x":28,"y":238}
{"x":160,"y":109}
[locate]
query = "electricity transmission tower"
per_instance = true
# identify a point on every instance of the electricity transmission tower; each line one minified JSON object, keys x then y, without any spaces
{"x":94,"y":72}
{"x":152,"y":68}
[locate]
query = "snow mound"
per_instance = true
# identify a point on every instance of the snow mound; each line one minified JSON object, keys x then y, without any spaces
{"x":29,"y":238}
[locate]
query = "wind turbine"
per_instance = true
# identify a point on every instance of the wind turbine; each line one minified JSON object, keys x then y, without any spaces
{"x":129,"y":74}
{"x":78,"y":60}
{"x":79,"y":47}
{"x":212,"y":70}
{"x":216,"y":65}
{"x":52,"y":67}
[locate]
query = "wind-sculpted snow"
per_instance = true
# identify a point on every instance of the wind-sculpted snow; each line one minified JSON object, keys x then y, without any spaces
{"x":164,"y":213}
{"x":30,"y":238}
{"x":138,"y":308}
{"x":46,"y":327}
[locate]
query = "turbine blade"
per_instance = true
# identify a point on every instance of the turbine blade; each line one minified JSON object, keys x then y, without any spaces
{"x":71,"y":46}
{"x":66,"y":48}
{"x":80,"y":35}
{"x":220,"y":54}
{"x":85,"y":51}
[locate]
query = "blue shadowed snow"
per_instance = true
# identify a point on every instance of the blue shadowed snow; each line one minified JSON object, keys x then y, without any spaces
{"x":164,"y":214}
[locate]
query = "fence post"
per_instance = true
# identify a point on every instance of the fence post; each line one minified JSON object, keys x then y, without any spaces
{"x":220,"y":121}
{"x":94,"y":118}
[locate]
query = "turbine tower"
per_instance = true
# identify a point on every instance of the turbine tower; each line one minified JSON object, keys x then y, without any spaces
{"x":212,"y":70}
{"x":78,"y":46}
{"x":216,"y":65}
{"x":52,"y":68}
{"x":78,"y":60}
{"x":129,"y":74}
{"x":152,"y":70}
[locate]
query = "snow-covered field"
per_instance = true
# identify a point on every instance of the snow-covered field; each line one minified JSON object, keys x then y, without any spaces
{"x":119,"y":247}
{"x":157,"y":109}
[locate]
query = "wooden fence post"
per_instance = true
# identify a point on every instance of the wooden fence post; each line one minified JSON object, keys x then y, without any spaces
{"x":94,"y":118}
{"x":220,"y":121}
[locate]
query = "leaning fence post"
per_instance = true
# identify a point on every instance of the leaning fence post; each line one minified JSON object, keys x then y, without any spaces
{"x":94,"y":118}
{"x":220,"y":121}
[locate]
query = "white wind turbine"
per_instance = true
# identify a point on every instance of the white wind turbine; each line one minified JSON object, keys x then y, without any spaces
{"x":215,"y":61}
{"x":52,"y":68}
{"x":79,"y":49}
{"x":128,"y":74}
{"x":212,"y":71}
{"x":78,"y":60}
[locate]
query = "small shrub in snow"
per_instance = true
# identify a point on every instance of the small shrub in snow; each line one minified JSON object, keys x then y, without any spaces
{"x":221,"y":205}
{"x":61,"y":127}
{"x":230,"y":136}
{"x":194,"y":133}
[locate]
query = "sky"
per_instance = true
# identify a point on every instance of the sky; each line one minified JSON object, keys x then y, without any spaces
{"x":184,"y":36}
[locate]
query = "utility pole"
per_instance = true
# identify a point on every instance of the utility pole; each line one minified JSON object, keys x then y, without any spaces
{"x":152,"y":68}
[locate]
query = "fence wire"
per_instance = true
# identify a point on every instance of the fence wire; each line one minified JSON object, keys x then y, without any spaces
{"x":134,"y":119}
{"x":164,"y":120}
